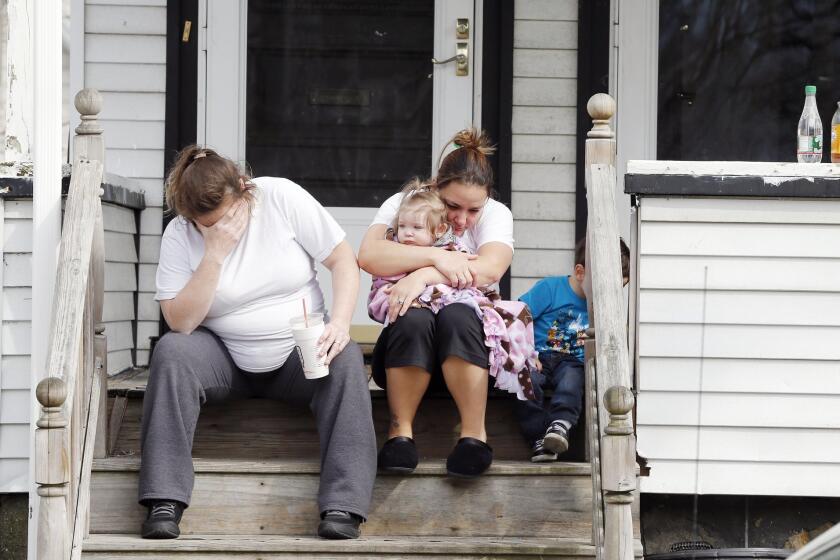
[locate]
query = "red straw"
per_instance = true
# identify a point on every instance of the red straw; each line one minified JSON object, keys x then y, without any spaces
{"x":305,"y":320}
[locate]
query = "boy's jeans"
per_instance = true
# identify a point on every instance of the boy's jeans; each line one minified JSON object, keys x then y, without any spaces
{"x":565,"y":376}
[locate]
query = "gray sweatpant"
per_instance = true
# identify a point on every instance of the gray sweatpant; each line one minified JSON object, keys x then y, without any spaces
{"x":188,"y":371}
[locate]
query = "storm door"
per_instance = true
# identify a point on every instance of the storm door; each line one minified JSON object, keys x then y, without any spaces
{"x":340,"y":96}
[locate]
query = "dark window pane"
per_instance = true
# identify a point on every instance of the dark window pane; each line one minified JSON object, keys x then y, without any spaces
{"x":732,"y":76}
{"x":340,"y":95}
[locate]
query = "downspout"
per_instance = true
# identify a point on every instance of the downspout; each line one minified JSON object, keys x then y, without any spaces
{"x":46,"y":198}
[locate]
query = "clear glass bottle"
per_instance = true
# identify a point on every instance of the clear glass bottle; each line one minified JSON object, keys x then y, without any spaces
{"x":810,"y":133}
{"x":835,"y":136}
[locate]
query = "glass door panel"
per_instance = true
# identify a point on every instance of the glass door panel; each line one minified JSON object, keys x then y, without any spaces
{"x":339,"y":95}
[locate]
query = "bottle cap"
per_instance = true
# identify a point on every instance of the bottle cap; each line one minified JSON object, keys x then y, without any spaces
{"x":810,"y":90}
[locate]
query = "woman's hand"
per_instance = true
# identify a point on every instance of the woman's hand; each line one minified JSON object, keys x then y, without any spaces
{"x":335,"y":337}
{"x":222,"y":237}
{"x":455,"y":265}
{"x":402,"y":294}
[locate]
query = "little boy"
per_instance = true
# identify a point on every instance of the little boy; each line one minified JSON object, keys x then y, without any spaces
{"x":558,"y":306}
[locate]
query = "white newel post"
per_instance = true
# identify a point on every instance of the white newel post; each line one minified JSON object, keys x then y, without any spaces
{"x":46,"y":203}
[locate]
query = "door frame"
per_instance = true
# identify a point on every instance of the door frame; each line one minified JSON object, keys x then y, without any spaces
{"x":493,"y":89}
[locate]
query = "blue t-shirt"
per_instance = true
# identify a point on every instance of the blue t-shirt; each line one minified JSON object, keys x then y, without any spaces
{"x":560,"y":316}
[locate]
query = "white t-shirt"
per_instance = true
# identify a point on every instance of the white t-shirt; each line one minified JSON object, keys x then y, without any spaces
{"x":265,"y":278}
{"x":494,"y":224}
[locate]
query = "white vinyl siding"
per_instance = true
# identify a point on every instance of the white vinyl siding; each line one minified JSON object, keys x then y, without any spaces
{"x":739,"y":367}
{"x":125,"y":58}
{"x":118,"y":312}
{"x":15,"y":342}
{"x":544,"y":135}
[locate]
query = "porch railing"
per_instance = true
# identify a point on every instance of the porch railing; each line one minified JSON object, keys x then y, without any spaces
{"x":609,"y":400}
{"x":73,"y":395}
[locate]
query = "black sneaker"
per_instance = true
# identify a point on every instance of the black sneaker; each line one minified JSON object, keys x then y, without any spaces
{"x":556,"y":437}
{"x":162,"y":520}
{"x":339,"y":525}
{"x":539,"y":454}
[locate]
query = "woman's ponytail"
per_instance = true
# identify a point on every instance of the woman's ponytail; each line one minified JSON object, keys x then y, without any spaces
{"x":199,"y":181}
{"x":469,"y":162}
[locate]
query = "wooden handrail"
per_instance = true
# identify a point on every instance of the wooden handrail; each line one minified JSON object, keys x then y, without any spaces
{"x":71,"y":395}
{"x":609,"y":370}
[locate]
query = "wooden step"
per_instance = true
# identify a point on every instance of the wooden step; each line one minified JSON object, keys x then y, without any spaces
{"x":514,"y":498}
{"x":200,"y":547}
{"x":265,"y":429}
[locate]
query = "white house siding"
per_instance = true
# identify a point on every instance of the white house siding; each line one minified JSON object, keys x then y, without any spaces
{"x":15,"y":317}
{"x":125,"y":59}
{"x":739,"y":365}
{"x":118,"y":313}
{"x":544,"y":136}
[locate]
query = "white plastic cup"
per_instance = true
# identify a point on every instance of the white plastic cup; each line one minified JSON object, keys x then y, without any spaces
{"x":306,"y":344}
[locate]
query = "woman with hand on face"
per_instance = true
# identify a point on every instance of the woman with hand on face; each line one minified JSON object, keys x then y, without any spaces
{"x":417,"y":344}
{"x":236,"y":264}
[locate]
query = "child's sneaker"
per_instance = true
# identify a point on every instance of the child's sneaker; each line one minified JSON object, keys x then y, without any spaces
{"x":556,"y":437}
{"x":539,"y":454}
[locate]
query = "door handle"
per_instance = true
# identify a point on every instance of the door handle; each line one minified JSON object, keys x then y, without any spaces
{"x":461,"y":58}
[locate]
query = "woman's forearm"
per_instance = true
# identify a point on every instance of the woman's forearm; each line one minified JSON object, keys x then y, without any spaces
{"x":345,"y":286}
{"x":188,"y":309}
{"x":381,"y":257}
{"x":485,"y":272}
{"x":493,"y":260}
{"x":344,"y":271}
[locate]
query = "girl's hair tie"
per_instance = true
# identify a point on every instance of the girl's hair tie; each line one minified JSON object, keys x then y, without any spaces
{"x":418,"y":190}
{"x":200,"y":155}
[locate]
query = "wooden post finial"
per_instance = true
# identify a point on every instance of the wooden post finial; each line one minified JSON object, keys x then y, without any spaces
{"x":88,"y":103}
{"x":619,"y":402}
{"x":601,"y":107}
{"x":51,"y":392}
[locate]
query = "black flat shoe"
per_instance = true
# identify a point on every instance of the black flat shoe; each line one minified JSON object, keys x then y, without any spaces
{"x":398,"y":455}
{"x":469,"y":458}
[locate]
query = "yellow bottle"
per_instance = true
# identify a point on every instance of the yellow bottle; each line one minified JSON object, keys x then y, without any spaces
{"x":835,"y":136}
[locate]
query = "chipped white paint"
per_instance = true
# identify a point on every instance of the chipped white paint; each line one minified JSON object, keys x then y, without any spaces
{"x":738,"y":168}
{"x":18,"y":82}
{"x":777,"y":181}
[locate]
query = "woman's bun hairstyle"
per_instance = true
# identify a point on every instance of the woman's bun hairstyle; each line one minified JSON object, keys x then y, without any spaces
{"x":474,"y":139}
{"x":199,"y":181}
{"x":469,"y":162}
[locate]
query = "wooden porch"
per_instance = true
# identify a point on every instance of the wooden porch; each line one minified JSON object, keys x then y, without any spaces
{"x":257,"y":462}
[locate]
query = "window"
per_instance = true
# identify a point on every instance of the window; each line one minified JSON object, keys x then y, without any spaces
{"x":732,"y":75}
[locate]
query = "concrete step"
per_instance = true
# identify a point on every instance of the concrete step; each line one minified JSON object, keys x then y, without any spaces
{"x":200,"y":547}
{"x":513,"y":499}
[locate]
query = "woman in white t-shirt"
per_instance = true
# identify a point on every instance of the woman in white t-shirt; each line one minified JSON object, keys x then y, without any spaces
{"x":418,"y":346}
{"x":236,"y":264}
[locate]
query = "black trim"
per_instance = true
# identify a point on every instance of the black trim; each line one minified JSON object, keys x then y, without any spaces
{"x":593,"y":77}
{"x":732,"y":185}
{"x":181,"y":79}
{"x":181,"y":90}
{"x":21,"y":187}
{"x":497,"y":98}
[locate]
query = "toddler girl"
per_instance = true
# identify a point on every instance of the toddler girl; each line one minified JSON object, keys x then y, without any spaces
{"x":508,"y":328}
